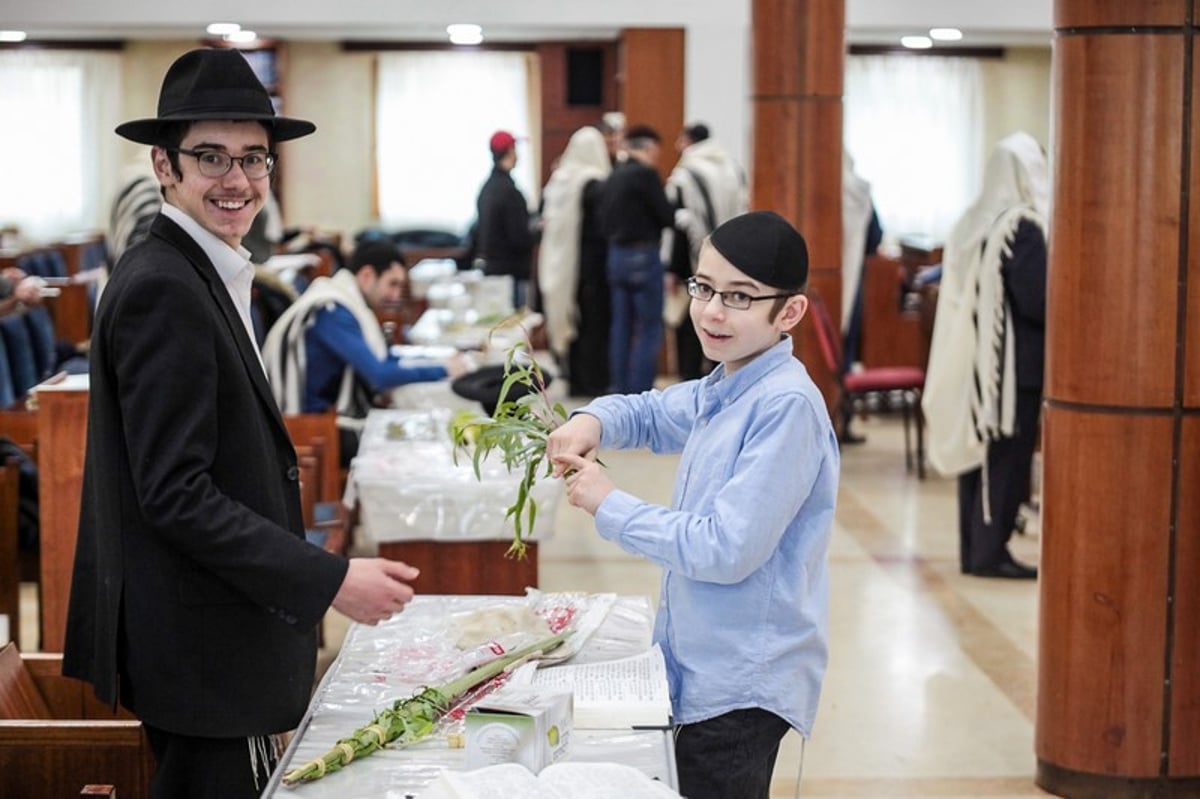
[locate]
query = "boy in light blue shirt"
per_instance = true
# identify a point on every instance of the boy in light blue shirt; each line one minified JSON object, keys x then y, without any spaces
{"x":743,"y":613}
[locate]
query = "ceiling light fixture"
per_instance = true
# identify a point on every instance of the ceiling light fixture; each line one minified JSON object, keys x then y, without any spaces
{"x":465,"y":33}
{"x":12,"y":36}
{"x":223,"y":28}
{"x":945,"y":34}
{"x":241,"y":37}
{"x":916,"y":42}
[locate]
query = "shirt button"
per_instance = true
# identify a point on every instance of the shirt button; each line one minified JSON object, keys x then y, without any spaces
{"x":293,"y":473}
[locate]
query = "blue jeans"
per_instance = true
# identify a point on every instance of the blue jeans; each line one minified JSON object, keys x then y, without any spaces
{"x":635,"y":282}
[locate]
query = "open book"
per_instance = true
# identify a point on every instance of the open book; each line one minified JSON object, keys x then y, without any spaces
{"x":565,"y":780}
{"x":631,"y":692}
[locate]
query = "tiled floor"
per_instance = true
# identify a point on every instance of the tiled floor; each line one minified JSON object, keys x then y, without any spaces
{"x":930,"y":688}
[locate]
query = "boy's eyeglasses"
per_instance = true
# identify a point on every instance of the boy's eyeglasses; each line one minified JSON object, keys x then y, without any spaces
{"x":214,"y":163}
{"x":738,"y":300}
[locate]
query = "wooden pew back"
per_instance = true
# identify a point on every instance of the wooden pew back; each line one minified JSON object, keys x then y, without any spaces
{"x":315,"y":437}
{"x":45,"y":754}
{"x":10,"y":561}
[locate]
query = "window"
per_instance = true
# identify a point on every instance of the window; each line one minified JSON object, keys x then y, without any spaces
{"x":913,"y":125}
{"x":57,"y":140}
{"x":435,"y":112}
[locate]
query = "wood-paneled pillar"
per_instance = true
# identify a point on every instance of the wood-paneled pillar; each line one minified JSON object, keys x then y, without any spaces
{"x":650,"y":74}
{"x":799,"y":60}
{"x":1119,"y":637}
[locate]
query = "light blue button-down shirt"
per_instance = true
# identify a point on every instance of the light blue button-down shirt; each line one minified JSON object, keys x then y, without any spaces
{"x":744,"y":610}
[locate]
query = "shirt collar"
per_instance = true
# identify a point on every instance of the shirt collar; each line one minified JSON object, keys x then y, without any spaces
{"x":230,"y":263}
{"x":728,"y":388}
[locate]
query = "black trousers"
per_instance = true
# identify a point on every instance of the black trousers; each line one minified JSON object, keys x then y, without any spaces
{"x":983,"y":545}
{"x":205,"y":768}
{"x":730,"y":756}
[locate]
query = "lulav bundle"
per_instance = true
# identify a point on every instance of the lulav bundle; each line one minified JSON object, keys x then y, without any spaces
{"x":518,"y":430}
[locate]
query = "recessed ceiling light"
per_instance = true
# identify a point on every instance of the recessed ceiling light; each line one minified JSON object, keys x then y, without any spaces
{"x":12,"y":36}
{"x":464,"y":33}
{"x":223,"y":28}
{"x":916,"y":42}
{"x":241,"y":37}
{"x":945,"y":34}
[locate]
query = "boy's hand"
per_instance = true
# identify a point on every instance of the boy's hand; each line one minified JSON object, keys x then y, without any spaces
{"x":579,"y":435}
{"x":587,"y":483}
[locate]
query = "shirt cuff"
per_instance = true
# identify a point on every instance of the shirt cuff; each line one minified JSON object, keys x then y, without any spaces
{"x":612,"y":513}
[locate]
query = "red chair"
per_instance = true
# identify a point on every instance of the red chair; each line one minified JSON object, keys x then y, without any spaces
{"x":884,"y":382}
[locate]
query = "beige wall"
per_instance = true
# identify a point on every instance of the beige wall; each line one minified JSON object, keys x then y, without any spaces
{"x":326,"y":180}
{"x":1016,"y":96}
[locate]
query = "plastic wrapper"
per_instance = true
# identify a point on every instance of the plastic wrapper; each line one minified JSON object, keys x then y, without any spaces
{"x":409,"y":487}
{"x":418,"y":648}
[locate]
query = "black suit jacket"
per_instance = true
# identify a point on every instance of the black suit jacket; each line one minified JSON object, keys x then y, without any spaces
{"x":502,"y":235}
{"x":195,"y":597}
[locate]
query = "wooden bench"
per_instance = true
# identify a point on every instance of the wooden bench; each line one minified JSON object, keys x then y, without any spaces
{"x":16,"y":565}
{"x":56,"y":740}
{"x":315,"y":437}
{"x":10,"y":562}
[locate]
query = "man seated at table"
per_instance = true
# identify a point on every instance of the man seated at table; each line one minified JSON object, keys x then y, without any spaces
{"x":328,"y":349}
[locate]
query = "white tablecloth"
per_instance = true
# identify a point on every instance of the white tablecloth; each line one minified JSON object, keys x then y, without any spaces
{"x":392,"y":660}
{"x":409,"y":487}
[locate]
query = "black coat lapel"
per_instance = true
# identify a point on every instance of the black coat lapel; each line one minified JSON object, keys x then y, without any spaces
{"x":195,"y":254}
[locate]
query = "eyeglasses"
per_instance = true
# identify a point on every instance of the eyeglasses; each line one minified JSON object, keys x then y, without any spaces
{"x":214,"y":163}
{"x":738,"y":300}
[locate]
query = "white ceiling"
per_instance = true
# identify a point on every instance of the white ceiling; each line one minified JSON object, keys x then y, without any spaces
{"x":984,"y":22}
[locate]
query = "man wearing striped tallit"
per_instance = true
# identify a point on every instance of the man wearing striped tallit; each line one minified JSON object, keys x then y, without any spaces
{"x":983,"y":388}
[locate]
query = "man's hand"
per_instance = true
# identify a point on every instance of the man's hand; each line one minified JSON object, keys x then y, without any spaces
{"x":579,"y":435}
{"x":587,"y":483}
{"x":458,"y":364}
{"x":29,"y":290}
{"x":374,"y":589}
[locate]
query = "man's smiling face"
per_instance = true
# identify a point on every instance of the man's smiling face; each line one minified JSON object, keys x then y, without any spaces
{"x":226,"y":205}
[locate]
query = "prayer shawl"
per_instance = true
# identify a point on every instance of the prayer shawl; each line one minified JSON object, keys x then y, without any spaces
{"x":285,"y":354}
{"x":856,"y":216}
{"x":711,"y":187}
{"x":138,"y":201}
{"x":970,"y":386}
{"x":585,"y":159}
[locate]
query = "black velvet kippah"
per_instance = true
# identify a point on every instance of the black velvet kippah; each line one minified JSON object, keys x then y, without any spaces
{"x":764,"y":246}
{"x":484,"y":384}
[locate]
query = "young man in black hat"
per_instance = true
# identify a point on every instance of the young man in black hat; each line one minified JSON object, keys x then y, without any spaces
{"x":195,"y":597}
{"x":743,"y":613}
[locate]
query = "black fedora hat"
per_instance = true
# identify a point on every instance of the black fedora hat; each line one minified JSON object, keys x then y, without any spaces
{"x":213,"y":83}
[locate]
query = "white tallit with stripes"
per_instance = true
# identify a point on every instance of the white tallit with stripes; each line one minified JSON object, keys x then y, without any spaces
{"x":285,"y":354}
{"x":585,"y":159}
{"x":970,"y":385}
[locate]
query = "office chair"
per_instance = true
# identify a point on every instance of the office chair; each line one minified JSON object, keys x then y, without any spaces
{"x":885,"y":382}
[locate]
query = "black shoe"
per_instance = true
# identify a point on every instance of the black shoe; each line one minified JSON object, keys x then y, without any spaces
{"x":850,"y":438}
{"x":1010,"y":570}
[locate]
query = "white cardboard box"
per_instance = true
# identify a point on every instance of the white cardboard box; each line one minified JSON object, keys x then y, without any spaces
{"x":520,"y":725}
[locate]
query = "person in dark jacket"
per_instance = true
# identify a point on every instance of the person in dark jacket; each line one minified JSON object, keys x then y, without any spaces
{"x":633,"y":213}
{"x":195,"y":597}
{"x":503,"y":236}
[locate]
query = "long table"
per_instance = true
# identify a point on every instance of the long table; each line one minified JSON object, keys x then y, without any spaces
{"x":392,"y":660}
{"x":419,"y":504}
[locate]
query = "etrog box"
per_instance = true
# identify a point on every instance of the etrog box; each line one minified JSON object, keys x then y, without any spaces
{"x":520,"y":725}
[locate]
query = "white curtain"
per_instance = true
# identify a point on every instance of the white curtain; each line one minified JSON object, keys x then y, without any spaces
{"x":913,"y":125}
{"x":435,"y":112}
{"x":57,"y":147}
